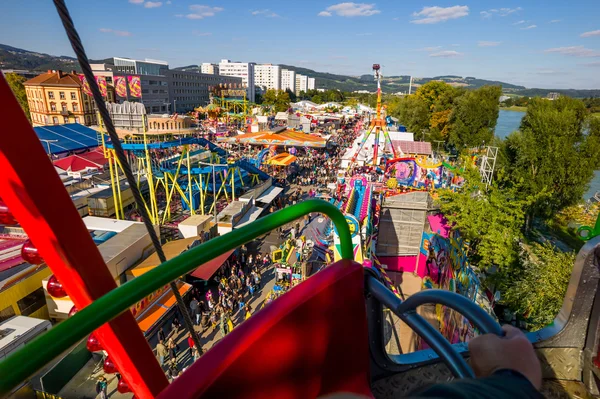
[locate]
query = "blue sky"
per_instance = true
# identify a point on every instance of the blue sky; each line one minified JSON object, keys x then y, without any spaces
{"x":549,"y":44}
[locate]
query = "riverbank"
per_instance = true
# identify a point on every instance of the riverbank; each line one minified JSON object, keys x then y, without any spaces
{"x":514,"y":108}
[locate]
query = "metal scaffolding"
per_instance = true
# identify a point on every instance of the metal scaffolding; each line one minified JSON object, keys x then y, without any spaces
{"x":488,"y":163}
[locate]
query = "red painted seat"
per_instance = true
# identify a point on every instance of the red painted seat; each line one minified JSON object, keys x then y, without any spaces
{"x":310,"y":342}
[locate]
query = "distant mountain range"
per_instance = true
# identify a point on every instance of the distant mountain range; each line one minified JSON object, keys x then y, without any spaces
{"x":16,"y":58}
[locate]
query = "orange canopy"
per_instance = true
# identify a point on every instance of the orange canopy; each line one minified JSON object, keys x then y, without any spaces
{"x":287,"y":138}
{"x":283,"y":159}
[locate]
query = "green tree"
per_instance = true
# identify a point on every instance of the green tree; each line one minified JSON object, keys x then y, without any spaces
{"x":433,"y":92}
{"x":292,"y":95}
{"x":474,"y":116}
{"x":318,"y":99}
{"x":16,"y":85}
{"x":270,"y":97}
{"x":554,"y":152}
{"x":282,"y":101}
{"x":536,"y":289}
{"x":489,"y":218}
{"x":412,"y":112}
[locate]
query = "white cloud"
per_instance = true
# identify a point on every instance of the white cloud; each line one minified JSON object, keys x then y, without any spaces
{"x":266,"y":12}
{"x":446,"y":54}
{"x":529,"y":27}
{"x":152,"y":4}
{"x":433,"y":15}
{"x":543,"y":71}
{"x":592,"y":64}
{"x":574,"y":51}
{"x":198,"y":33}
{"x":115,"y":32}
{"x":136,"y":1}
{"x":168,"y":2}
{"x":555,"y":21}
{"x":502,"y":12}
{"x":429,"y":49}
{"x":199,"y":11}
{"x":521,"y":22}
{"x":456,"y":45}
{"x":364,"y":34}
{"x":350,"y":9}
{"x":484,"y":43}
{"x":591,"y":33}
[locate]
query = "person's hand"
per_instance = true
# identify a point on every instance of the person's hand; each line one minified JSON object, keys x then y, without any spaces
{"x":490,"y":353}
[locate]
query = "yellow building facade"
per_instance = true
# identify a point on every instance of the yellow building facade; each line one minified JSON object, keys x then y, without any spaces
{"x":23,"y":294}
{"x":57,"y":98}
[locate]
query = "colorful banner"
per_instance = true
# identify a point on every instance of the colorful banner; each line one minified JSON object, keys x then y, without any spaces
{"x":120,"y":86}
{"x":101,"y":82}
{"x":135,"y":86}
{"x":85,"y":84}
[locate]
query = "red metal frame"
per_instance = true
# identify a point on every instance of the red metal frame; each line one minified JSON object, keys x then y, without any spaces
{"x":36,"y":196}
{"x":311,"y":342}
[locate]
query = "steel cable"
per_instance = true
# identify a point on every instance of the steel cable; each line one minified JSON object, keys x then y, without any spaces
{"x":77,"y":45}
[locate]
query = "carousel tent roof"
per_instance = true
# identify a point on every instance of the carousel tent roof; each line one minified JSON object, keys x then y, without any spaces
{"x":283,"y":159}
{"x":286,"y":138}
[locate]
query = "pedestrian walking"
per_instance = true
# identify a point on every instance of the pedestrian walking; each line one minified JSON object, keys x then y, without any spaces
{"x":191,"y":345}
{"x":101,"y":388}
{"x":161,"y":351}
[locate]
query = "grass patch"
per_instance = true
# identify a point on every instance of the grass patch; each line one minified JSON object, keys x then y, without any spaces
{"x":514,"y":108}
{"x":596,"y":115}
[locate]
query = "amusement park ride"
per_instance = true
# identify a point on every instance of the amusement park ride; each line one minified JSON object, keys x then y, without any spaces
{"x":325,"y":336}
{"x":177,"y":173}
{"x":377,"y":126}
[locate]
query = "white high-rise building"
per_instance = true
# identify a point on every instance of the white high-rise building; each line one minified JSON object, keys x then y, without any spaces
{"x":267,"y":76}
{"x":208,"y":68}
{"x":311,"y":84}
{"x":244,"y":70}
{"x":301,"y":83}
{"x":288,"y":80}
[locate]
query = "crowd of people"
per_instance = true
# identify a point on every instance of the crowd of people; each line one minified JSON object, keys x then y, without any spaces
{"x":238,"y":281}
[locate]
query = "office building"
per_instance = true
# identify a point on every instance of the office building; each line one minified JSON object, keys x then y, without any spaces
{"x":154,"y":84}
{"x":311,"y":84}
{"x":301,"y":83}
{"x":137,"y":67}
{"x":56,"y":98}
{"x":244,"y":70}
{"x":288,"y":80}
{"x":210,"y":69}
{"x":267,"y":76}
{"x":188,"y":90}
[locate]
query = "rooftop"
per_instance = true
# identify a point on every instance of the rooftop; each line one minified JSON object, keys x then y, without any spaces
{"x":55,"y":78}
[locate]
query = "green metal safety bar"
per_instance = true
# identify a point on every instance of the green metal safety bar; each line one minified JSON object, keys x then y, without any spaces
{"x":586,"y":233}
{"x":25,"y":362}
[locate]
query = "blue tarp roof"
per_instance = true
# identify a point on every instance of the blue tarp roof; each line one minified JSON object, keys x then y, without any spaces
{"x":69,"y":137}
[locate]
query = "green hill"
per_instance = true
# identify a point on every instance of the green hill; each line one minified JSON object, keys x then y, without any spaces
{"x":16,"y":58}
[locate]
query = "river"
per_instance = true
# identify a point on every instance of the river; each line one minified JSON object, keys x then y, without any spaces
{"x":509,"y":121}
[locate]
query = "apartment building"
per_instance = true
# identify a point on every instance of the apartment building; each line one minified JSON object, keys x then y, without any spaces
{"x":244,"y":70}
{"x":288,"y":80}
{"x":301,"y":83}
{"x":210,"y":69}
{"x":57,"y":98}
{"x":267,"y":76}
